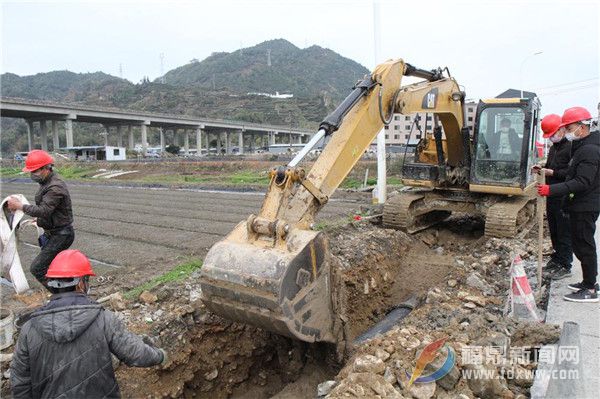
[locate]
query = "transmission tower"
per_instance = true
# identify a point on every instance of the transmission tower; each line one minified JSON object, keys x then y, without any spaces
{"x":162,"y":68}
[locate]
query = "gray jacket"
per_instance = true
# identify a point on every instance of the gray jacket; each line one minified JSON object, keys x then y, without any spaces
{"x":64,"y":351}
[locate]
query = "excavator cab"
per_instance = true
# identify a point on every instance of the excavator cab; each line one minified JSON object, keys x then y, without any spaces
{"x":504,"y":145}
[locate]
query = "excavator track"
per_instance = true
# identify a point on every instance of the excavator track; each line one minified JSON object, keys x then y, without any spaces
{"x":407,"y":212}
{"x":507,"y":217}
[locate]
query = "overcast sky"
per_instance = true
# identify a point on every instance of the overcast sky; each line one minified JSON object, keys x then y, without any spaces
{"x":487,"y":45}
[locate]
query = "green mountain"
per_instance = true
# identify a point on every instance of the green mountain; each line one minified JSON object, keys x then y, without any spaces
{"x":272,"y":66}
{"x":216,"y":87}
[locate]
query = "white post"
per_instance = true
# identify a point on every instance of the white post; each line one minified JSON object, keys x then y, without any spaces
{"x":55,"y":141}
{"x":227,"y":143}
{"x":44,"y":135}
{"x":106,"y":132}
{"x":381,"y":167}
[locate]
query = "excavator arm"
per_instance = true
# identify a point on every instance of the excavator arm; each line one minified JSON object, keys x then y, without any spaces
{"x":272,"y":270}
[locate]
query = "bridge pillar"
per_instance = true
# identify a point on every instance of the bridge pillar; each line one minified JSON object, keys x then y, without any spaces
{"x":186,"y":142}
{"x":227,"y":143}
{"x":252,"y":142}
{"x":144,"y":127}
{"x":130,"y":137}
{"x":219,"y":144}
{"x":175,"y":137}
{"x":55,"y":141}
{"x":29,"y":134}
{"x":299,"y":139}
{"x":69,"y":131}
{"x":273,"y":138}
{"x":241,"y":141}
{"x":119,"y":136}
{"x":162,"y":139}
{"x":199,"y":140}
{"x":106,"y":132}
{"x":44,"y":135}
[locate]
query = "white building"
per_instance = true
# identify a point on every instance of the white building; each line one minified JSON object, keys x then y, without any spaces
{"x":97,"y":153}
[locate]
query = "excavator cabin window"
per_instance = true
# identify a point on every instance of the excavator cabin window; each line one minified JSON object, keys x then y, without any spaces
{"x":499,"y":145}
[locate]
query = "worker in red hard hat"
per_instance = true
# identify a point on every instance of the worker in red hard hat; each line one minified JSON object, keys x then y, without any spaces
{"x":555,"y":171}
{"x":64,"y":349}
{"x":581,"y":190}
{"x":52,"y":209}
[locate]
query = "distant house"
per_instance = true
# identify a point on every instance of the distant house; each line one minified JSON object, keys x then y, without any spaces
{"x":96,"y":153}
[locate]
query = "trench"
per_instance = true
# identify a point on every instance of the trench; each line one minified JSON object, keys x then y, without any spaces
{"x":374,"y":270}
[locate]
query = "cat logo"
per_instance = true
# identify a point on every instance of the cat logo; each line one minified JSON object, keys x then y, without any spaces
{"x":430,"y":99}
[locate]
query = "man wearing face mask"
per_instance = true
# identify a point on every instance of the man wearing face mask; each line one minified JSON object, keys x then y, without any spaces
{"x":52,"y":209}
{"x":64,"y":348}
{"x":582,"y":190}
{"x":555,"y":171}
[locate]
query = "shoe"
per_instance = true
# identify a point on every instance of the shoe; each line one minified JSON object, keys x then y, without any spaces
{"x":579,"y":286}
{"x":583,"y":295}
{"x":560,"y":273}
{"x":576,"y":286}
{"x":552,"y":265}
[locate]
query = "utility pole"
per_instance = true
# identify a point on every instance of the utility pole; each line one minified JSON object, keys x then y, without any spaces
{"x":121,"y":70}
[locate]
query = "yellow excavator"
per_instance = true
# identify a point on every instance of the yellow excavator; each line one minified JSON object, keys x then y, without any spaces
{"x":272,"y":271}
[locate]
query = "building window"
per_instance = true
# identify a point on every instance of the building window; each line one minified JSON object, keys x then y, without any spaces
{"x":116,"y":152}
{"x":396,"y":118}
{"x":407,"y":127}
{"x":470,"y":119}
{"x":407,"y":118}
{"x":470,"y":109}
{"x":397,"y":127}
{"x":406,"y":137}
{"x":387,"y":127}
{"x":396,"y":136}
{"x":429,"y":118}
{"x":418,"y":135}
{"x":387,"y":136}
{"x":428,"y":127}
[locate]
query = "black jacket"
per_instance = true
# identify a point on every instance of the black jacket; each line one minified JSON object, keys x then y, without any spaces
{"x":52,"y":204}
{"x":64,"y":351}
{"x":582,"y":182}
{"x":558,"y":160}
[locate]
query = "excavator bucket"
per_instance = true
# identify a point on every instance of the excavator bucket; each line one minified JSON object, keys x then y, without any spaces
{"x":280,"y":286}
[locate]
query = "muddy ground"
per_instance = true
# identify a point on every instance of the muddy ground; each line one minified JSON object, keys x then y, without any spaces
{"x":459,"y":277}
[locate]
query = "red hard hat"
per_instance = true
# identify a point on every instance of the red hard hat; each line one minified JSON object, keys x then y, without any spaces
{"x":575,"y":114}
{"x":37,"y":159}
{"x":70,"y":263}
{"x":550,"y":124}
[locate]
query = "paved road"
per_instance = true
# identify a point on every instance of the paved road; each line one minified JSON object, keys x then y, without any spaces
{"x":151,"y":230}
{"x":587,"y":315}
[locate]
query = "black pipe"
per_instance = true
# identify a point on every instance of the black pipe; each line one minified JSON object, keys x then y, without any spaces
{"x":332,"y":122}
{"x":393,"y":318}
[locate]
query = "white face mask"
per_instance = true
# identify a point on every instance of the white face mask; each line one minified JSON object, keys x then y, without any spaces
{"x":571,"y":135}
{"x":555,"y":139}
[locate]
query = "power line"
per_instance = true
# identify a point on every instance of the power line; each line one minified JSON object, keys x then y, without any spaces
{"x":567,"y":90}
{"x":567,"y":84}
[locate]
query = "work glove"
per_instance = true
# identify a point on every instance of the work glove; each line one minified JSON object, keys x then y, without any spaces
{"x":148,"y":341}
{"x":543,"y":190}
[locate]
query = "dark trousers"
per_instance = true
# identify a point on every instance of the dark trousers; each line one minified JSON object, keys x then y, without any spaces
{"x":583,"y":227}
{"x":560,"y":232}
{"x":55,"y":243}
